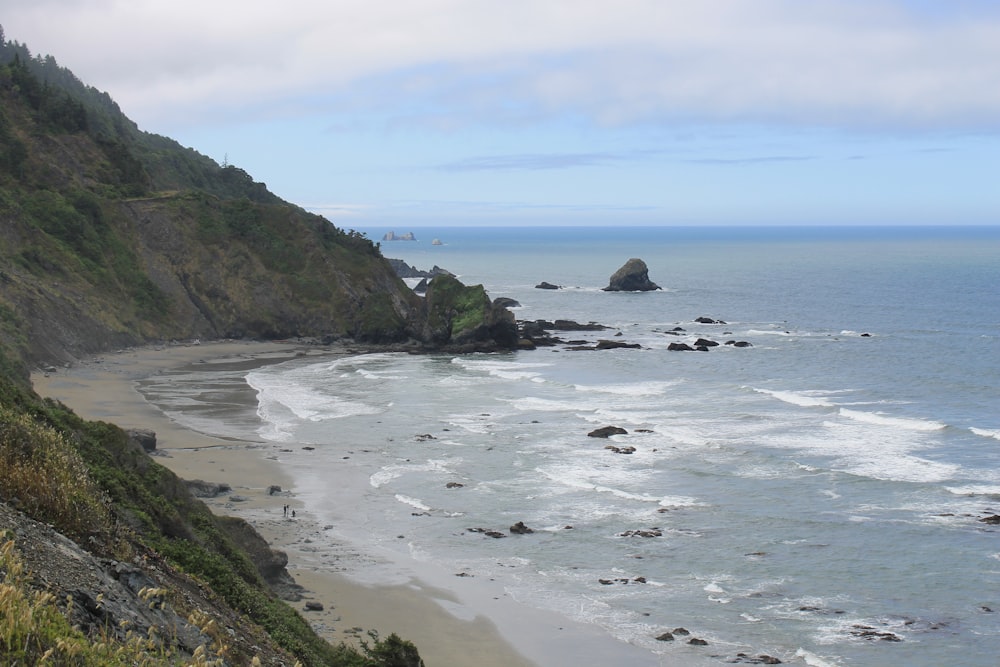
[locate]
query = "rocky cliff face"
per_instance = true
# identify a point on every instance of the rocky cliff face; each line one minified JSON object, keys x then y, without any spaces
{"x":112,"y":237}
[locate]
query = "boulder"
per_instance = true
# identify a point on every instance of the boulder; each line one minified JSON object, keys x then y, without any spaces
{"x":679,"y":347}
{"x":142,"y":437}
{"x":520,"y":529}
{"x":704,"y":342}
{"x":314,"y":606}
{"x":545,"y":285}
{"x":616,"y":344}
{"x":607,"y":431}
{"x":633,"y":276}
{"x":707,"y":320}
{"x":202,"y":489}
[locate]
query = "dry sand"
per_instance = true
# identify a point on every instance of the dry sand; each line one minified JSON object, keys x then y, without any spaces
{"x":103,"y":389}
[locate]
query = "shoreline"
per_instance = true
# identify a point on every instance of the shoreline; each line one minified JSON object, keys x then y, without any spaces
{"x":448,"y":626}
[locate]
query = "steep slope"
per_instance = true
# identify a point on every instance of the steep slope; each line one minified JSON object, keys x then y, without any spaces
{"x":110,"y":236}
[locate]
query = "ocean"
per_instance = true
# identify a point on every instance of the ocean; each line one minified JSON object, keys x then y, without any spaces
{"x":817,"y":496}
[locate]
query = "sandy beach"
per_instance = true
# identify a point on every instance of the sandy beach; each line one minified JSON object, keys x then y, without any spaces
{"x":103,"y":389}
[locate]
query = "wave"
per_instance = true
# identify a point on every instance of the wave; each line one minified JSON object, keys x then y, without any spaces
{"x":415,"y":503}
{"x":504,"y":370}
{"x":881,"y":419}
{"x":577,"y":483}
{"x":986,"y":432}
{"x":805,"y":399}
{"x":974,"y":490}
{"x":651,"y":388}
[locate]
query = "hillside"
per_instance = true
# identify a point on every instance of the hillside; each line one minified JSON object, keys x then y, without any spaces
{"x":112,"y":237}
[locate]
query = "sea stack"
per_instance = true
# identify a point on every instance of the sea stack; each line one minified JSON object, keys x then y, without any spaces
{"x":632,"y":277}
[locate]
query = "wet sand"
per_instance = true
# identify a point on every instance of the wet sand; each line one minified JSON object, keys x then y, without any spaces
{"x":466,"y":623}
{"x":103,"y":389}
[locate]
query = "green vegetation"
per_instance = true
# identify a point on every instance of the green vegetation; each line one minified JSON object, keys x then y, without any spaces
{"x":111,"y":236}
{"x":83,"y":478}
{"x":455,"y":309}
{"x":34,"y":630}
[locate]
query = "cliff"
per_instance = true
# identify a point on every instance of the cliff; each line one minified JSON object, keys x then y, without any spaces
{"x":110,"y":236}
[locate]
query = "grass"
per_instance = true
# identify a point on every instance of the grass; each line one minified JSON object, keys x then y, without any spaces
{"x":49,"y":479}
{"x":35,"y":630}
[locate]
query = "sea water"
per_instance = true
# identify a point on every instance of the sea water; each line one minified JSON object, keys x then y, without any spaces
{"x":816,"y":496}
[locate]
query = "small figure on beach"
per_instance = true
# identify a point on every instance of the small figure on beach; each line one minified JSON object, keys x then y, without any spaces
{"x":285,"y":510}
{"x":293,"y":514}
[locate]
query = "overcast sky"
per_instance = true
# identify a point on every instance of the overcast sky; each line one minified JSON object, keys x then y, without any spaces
{"x":633,"y":112}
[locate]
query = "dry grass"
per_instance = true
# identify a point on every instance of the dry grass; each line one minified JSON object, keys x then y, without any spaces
{"x":47,"y":477}
{"x":35,"y":631}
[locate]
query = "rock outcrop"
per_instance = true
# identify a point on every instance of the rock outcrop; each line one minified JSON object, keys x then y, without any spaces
{"x":633,"y":276}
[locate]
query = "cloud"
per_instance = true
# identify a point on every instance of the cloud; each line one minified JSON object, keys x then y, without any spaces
{"x":530,"y":161}
{"x":840,"y":63}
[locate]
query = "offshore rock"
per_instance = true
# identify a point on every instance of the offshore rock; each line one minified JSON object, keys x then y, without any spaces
{"x":633,"y":276}
{"x":607,"y":431}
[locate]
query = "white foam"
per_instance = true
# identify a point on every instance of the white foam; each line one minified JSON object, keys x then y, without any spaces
{"x":651,"y":388}
{"x":504,"y":370}
{"x":882,"y":419}
{"x":805,"y":399}
{"x":987,"y":432}
{"x":388,"y":473}
{"x":814,"y":660}
{"x":576,"y":481}
{"x":975,"y":490}
{"x":413,"y":502}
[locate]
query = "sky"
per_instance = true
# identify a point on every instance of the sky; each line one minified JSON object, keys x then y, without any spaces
{"x":416,"y":113}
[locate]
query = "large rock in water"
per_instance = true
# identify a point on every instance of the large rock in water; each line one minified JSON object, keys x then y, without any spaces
{"x":632,"y":277}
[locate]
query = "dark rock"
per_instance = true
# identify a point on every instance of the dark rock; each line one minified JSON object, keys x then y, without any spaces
{"x":142,"y":437}
{"x":520,"y":529}
{"x":495,"y":534}
{"x":665,"y":637}
{"x":652,"y":532}
{"x":616,"y":344}
{"x":571,"y":325}
{"x":620,"y":450}
{"x":506,"y":302}
{"x":993,"y":520}
{"x":421,"y":287}
{"x":704,"y":342}
{"x":743,"y":658}
{"x":738,"y":343}
{"x":871,"y":634}
{"x":680,"y":347}
{"x":694,"y":641}
{"x":202,"y":489}
{"x":633,"y":276}
{"x":454,"y":485}
{"x":273,"y":489}
{"x":707,"y":320}
{"x":545,"y":285}
{"x":607,"y":431}
{"x":314,"y":606}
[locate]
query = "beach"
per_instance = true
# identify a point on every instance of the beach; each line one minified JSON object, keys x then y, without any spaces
{"x":474,"y":627}
{"x":103,"y":389}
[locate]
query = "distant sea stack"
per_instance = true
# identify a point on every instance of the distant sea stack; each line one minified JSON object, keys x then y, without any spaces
{"x":393,"y":236}
{"x":632,"y":277}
